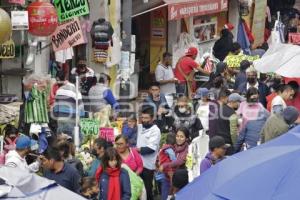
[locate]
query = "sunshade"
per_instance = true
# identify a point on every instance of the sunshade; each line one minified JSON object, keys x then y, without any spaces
{"x":282,"y":59}
{"x":29,"y":186}
{"x":269,"y":171}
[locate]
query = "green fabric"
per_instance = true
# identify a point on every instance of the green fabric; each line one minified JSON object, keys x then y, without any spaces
{"x":136,"y":183}
{"x":36,"y":107}
{"x":233,"y":120}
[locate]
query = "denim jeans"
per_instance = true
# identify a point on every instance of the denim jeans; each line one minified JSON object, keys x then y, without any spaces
{"x":165,"y":188}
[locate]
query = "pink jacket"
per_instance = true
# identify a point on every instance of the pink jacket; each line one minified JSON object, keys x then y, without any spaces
{"x":134,"y":161}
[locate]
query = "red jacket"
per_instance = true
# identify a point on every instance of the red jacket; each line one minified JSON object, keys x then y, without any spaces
{"x":164,"y":158}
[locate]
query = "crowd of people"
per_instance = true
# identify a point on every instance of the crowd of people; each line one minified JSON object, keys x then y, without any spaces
{"x":237,"y":110}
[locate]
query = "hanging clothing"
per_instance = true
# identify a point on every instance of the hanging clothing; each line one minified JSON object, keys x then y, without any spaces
{"x":101,"y":33}
{"x":243,"y":39}
{"x":36,"y":106}
{"x":63,"y":55}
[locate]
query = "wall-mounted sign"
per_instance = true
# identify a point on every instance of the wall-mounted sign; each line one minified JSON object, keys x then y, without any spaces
{"x":7,"y":49}
{"x":19,"y":20}
{"x":21,"y":2}
{"x":67,"y":34}
{"x":68,"y":9}
{"x":196,"y":8}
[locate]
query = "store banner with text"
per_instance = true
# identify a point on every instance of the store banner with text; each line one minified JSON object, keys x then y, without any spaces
{"x":196,"y":8}
{"x":7,"y":49}
{"x":67,"y":34}
{"x":259,"y":19}
{"x":21,"y":2}
{"x":68,"y":9}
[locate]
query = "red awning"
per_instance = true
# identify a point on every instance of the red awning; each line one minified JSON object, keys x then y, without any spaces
{"x":178,"y":9}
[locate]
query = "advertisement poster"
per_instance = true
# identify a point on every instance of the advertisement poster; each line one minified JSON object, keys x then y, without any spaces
{"x":68,"y":9}
{"x":19,"y":20}
{"x":7,"y":49}
{"x":67,"y":35}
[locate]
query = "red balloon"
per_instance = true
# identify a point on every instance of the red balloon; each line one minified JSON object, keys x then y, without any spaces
{"x":42,"y":18}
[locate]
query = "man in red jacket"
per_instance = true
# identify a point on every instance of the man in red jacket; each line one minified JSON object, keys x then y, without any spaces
{"x":185,"y":67}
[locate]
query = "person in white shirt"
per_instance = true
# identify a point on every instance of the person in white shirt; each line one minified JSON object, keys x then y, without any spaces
{"x":202,"y":109}
{"x":16,"y":158}
{"x":148,"y":141}
{"x":165,"y":76}
{"x":279,"y":102}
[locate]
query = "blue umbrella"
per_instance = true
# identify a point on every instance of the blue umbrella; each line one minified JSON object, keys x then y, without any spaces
{"x":269,"y":171}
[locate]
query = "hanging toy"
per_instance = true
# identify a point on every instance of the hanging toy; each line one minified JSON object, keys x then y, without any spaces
{"x":5,"y":26}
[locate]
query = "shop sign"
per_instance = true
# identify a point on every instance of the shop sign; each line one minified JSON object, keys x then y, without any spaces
{"x":68,"y":9}
{"x":19,"y":20}
{"x":21,"y":2}
{"x":196,"y":8}
{"x":67,"y":34}
{"x":7,"y":49}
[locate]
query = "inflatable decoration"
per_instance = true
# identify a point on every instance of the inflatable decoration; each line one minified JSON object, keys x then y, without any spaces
{"x":42,"y":18}
{"x":5,"y":26}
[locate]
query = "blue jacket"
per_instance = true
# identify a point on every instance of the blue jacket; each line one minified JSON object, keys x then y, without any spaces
{"x":124,"y":181}
{"x":263,"y":90}
{"x":250,"y":134}
{"x":130,"y":133}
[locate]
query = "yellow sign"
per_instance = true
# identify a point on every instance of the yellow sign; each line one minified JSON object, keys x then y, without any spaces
{"x":7,"y":49}
{"x":259,"y":19}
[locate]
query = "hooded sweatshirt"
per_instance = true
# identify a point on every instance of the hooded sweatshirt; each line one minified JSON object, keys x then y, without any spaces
{"x":13,"y":159}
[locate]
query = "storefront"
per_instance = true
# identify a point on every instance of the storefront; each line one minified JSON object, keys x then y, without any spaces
{"x":165,"y":20}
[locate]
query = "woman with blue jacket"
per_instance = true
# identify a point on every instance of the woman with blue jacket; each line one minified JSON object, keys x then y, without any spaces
{"x":114,"y":181}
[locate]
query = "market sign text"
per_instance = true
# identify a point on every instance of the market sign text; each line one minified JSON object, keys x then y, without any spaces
{"x":67,"y":35}
{"x":183,"y":10}
{"x":67,"y":9}
{"x":7,"y":49}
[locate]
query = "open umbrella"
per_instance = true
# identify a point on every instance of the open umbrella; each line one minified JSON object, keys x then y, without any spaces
{"x":269,"y":171}
{"x":22,"y":185}
{"x":282,"y":59}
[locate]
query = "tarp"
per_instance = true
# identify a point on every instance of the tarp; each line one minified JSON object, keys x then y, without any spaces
{"x":24,"y":185}
{"x":282,"y":59}
{"x":269,"y":171}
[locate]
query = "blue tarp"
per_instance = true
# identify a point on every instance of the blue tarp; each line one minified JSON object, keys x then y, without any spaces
{"x":269,"y":171}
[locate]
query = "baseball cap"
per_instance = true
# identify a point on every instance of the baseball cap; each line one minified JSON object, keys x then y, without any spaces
{"x":290,"y":114}
{"x":229,"y":26}
{"x":201,"y":92}
{"x":236,"y":97}
{"x":24,"y":142}
{"x":192,"y":51}
{"x":217,"y":142}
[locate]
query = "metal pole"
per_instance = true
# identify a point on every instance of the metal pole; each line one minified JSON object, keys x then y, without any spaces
{"x":76,"y":128}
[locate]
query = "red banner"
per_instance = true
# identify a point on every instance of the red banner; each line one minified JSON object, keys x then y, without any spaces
{"x":196,"y":8}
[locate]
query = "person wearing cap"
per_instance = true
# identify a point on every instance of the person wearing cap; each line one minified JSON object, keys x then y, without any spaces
{"x":223,"y":45}
{"x":228,"y":122}
{"x":252,"y":81}
{"x":217,"y":150}
{"x":16,"y":158}
{"x":202,"y":109}
{"x":241,"y":77}
{"x":279,"y":123}
{"x":184,"y":69}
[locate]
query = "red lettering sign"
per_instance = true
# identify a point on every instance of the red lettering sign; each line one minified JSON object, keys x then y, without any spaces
{"x":203,"y":7}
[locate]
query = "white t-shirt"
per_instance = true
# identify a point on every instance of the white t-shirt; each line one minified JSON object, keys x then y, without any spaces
{"x":203,"y":114}
{"x":149,"y":138}
{"x":163,"y":73}
{"x":278,"y":101}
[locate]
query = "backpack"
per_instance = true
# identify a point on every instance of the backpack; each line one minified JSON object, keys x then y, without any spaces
{"x":136,"y":183}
